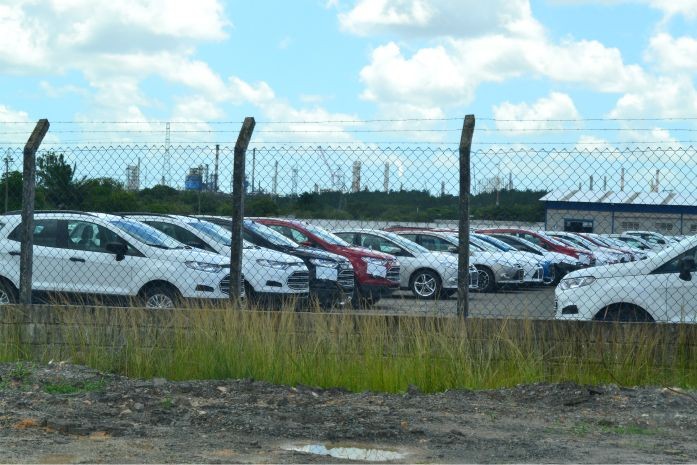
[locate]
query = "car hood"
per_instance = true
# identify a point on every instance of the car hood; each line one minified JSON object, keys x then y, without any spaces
{"x":556,"y":257}
{"x":310,"y":252}
{"x":188,"y":255}
{"x":638,"y":268}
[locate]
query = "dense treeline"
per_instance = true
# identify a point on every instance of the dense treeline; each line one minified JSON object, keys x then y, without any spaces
{"x":58,"y":188}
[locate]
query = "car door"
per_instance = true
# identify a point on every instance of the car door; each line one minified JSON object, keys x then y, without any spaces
{"x":90,"y":268}
{"x":680,"y":296}
{"x":48,"y":257}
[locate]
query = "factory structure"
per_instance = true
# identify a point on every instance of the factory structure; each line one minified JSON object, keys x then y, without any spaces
{"x":603,"y":212}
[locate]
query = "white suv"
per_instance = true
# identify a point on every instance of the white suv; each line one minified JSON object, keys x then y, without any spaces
{"x":103,"y":257}
{"x":660,"y":288}
{"x":268,"y":275}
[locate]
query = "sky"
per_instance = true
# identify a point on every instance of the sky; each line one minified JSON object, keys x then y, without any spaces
{"x":553,"y":75}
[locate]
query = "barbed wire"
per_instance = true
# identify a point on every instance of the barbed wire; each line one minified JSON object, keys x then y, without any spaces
{"x":365,"y":121}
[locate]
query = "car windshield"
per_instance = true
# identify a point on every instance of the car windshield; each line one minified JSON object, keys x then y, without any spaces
{"x":147,"y":234}
{"x":553,"y":240}
{"x":213,"y":231}
{"x":484,"y":244}
{"x":326,"y":236}
{"x":406,"y":243}
{"x":570,"y":243}
{"x":497,"y":243}
{"x":528,"y":244}
{"x":269,"y":234}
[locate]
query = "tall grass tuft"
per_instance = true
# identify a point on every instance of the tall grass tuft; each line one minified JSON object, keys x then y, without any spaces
{"x":361,"y":352}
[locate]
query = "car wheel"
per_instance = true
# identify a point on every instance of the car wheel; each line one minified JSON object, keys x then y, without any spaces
{"x":425,"y":284}
{"x":624,"y":313}
{"x":485,"y":280}
{"x":8,"y":293}
{"x":160,"y":297}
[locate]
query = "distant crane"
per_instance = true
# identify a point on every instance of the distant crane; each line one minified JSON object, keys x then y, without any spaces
{"x":336,"y":176}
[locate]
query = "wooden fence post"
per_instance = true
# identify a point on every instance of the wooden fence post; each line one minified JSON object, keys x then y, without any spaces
{"x":464,"y":216}
{"x":238,"y":208}
{"x":28,"y":192}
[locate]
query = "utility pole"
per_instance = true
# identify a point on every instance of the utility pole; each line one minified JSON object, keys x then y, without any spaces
{"x":8,"y":160}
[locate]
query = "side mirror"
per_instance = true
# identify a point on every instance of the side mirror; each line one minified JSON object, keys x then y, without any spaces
{"x":453,"y":249}
{"x":686,"y":266}
{"x":118,"y":249}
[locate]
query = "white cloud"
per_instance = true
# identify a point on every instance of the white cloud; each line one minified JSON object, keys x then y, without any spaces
{"x":437,"y":18}
{"x":672,"y":54}
{"x":539,"y":116}
{"x":686,"y":8}
{"x":662,"y":97}
{"x":448,"y":74}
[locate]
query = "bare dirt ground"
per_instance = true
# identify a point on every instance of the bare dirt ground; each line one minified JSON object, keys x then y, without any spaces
{"x":61,"y":413}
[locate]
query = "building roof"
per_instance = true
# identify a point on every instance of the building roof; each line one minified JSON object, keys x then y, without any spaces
{"x":622,"y":197}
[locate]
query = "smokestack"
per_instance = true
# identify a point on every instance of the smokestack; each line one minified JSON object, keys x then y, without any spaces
{"x":215,"y":169}
{"x":604,"y":183}
{"x":658,"y":172}
{"x":591,"y":182}
{"x":579,"y":186}
{"x":622,"y":180}
{"x":274,"y":184}
{"x":386,"y":183}
{"x":442,"y":188}
{"x":356,"y":182}
{"x":510,"y":181}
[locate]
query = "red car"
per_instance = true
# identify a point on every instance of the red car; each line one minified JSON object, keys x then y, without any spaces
{"x":546,"y":242}
{"x":377,"y":273}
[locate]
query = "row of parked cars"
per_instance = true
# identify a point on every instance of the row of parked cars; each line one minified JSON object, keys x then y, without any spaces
{"x":160,"y":260}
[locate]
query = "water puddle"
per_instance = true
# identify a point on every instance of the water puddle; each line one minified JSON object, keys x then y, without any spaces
{"x":349,"y":453}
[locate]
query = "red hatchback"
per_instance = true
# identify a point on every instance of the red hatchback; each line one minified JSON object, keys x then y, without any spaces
{"x":546,"y":242}
{"x":377,"y":273}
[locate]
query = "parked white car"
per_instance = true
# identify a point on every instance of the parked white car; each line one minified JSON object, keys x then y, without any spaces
{"x":660,"y":288}
{"x":653,"y":238}
{"x":534,"y":271}
{"x":603,"y":255}
{"x":493,"y":269}
{"x":107,"y":258}
{"x":268,"y":274}
{"x":427,"y":274}
{"x":562,"y":263}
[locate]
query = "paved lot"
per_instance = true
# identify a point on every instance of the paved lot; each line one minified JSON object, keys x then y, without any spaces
{"x":536,"y":302}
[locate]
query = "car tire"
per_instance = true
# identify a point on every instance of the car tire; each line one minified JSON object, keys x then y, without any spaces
{"x":485,"y":279}
{"x":8,"y":293}
{"x":160,"y":296}
{"x":425,"y":284}
{"x":624,"y":313}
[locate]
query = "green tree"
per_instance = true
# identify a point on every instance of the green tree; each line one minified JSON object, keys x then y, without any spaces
{"x":55,"y":178}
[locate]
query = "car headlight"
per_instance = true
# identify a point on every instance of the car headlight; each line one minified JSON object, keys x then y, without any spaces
{"x":323,"y":263}
{"x":275,"y":264}
{"x":374,"y":261}
{"x":203,"y":266}
{"x":573,"y":283}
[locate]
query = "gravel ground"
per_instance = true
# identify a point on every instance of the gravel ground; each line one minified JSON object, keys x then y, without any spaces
{"x":62,"y":413}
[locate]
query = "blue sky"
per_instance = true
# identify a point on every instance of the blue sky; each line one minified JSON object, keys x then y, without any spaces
{"x":518,"y":65}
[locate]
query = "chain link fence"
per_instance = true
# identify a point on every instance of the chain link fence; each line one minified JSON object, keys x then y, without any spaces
{"x":587,"y":232}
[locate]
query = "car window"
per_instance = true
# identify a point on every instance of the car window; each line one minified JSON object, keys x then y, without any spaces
{"x":434,"y":243}
{"x":91,"y":237}
{"x":377,"y":243}
{"x":351,"y":238}
{"x":673,"y":266}
{"x":181,"y":234}
{"x":45,"y":233}
{"x":412,"y":237}
{"x":290,"y":233}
